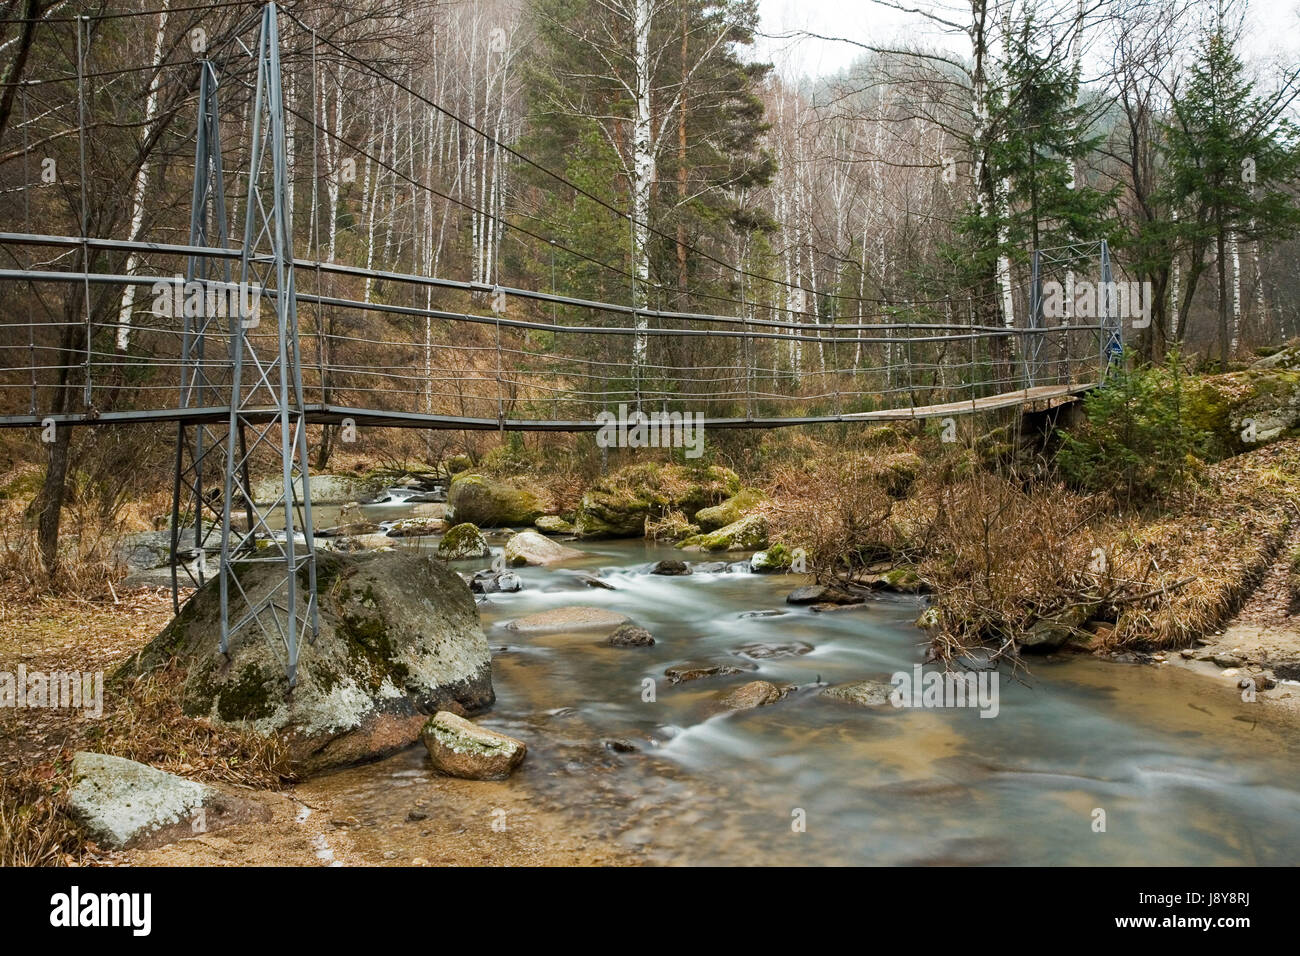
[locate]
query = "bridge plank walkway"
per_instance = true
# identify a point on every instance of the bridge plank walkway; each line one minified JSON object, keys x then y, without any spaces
{"x":384,"y":418}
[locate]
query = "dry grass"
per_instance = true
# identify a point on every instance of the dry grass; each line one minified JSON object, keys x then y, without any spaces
{"x":142,"y":720}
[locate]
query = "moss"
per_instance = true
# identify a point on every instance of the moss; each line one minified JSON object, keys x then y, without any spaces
{"x":462,"y":541}
{"x":747,"y":534}
{"x":246,"y":698}
{"x":776,"y":558}
{"x":731,"y":510}
{"x":367,"y":641}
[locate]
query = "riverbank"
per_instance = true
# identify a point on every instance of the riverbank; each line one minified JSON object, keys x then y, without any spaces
{"x":1233,"y":533}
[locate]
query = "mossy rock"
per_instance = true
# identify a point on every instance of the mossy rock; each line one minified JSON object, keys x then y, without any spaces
{"x":618,"y":506}
{"x":1239,"y":411}
{"x":777,"y":559}
{"x":553,"y":524}
{"x":490,"y":503}
{"x":747,"y":534}
{"x":463,"y":541}
{"x":399,"y":639}
{"x":731,"y":510}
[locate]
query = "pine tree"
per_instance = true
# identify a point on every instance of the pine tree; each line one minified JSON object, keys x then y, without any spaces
{"x":1231,"y":162}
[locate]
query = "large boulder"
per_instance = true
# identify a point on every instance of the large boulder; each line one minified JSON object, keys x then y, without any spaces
{"x":399,"y":640}
{"x":532,"y":547}
{"x":1244,"y":410}
{"x":731,"y":510}
{"x":123,"y":804}
{"x":618,"y":506}
{"x":459,"y":748}
{"x":489,"y":503}
{"x":747,"y":534}
{"x":463,"y":541}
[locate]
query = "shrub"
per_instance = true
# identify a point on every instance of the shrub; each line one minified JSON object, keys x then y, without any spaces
{"x":1136,"y":439}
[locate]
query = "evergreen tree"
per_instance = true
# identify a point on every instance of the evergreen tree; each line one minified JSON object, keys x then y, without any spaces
{"x":1231,"y":162}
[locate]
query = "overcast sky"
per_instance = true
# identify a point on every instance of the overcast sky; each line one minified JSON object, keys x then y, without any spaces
{"x":1273,"y":29}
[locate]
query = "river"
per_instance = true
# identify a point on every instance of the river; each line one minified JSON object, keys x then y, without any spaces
{"x":1184,"y":771}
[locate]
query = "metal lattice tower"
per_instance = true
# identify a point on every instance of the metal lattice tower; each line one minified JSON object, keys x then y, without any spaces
{"x":262,"y":388}
{"x":1110,"y":322}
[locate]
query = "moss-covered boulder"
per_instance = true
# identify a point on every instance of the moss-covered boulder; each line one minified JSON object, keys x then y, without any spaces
{"x":731,"y":510}
{"x":747,"y":534}
{"x":463,"y":541}
{"x":618,"y":506}
{"x":553,"y":524}
{"x":777,"y":559}
{"x":489,"y":503}
{"x":399,"y":640}
{"x":1244,"y":410}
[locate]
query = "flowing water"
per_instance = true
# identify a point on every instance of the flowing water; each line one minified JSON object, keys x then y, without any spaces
{"x":1183,"y":769}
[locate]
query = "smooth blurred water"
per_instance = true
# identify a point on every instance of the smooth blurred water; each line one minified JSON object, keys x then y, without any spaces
{"x":1184,"y":770}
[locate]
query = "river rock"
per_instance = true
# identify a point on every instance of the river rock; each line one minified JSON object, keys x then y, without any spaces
{"x":489,"y":581}
{"x":775,"y":560}
{"x":670,"y":568}
{"x":730,"y":511}
{"x":460,"y":748}
{"x":489,"y":503}
{"x":900,"y":579}
{"x":1050,"y":633}
{"x":461,"y":542}
{"x":531,"y":547}
{"x":349,"y":530}
{"x":416,"y":527}
{"x":747,"y":534}
{"x":399,"y":640}
{"x":618,"y":505}
{"x":762,"y":652}
{"x":756,"y":693}
{"x":822,"y":594}
{"x":123,"y":804}
{"x":630,"y":635}
{"x":864,"y":693}
{"x":695,"y":670}
{"x":710,"y":567}
{"x":562,"y":619}
{"x":553,"y":524}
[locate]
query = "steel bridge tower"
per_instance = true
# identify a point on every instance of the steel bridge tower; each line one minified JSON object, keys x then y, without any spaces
{"x":260,"y":391}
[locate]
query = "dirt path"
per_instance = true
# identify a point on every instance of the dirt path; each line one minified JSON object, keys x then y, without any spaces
{"x":1263,"y":641}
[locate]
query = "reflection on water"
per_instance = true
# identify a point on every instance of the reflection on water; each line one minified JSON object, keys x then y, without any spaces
{"x":1182,"y":769}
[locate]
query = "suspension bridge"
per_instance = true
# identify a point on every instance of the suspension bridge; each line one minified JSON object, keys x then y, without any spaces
{"x":244,"y":344}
